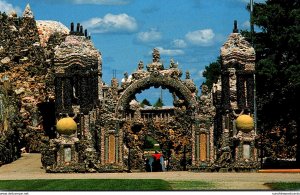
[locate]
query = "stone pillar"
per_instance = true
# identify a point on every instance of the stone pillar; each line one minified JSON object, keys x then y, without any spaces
{"x":82,"y":133}
{"x":99,"y":79}
{"x":87,"y":133}
{"x":197,"y":157}
{"x":102,"y":148}
{"x":72,"y":27}
{"x":195,"y":145}
{"x":78,"y":27}
{"x":232,"y":86}
{"x":106,"y":149}
{"x":211,"y":141}
{"x":120,"y":147}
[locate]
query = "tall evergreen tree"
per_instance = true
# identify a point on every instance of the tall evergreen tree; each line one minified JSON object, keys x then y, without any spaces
{"x":159,"y":103}
{"x":212,"y":72}
{"x":145,"y":102}
{"x":277,"y":48}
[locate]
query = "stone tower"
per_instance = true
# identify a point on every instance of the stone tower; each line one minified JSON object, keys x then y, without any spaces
{"x":234,"y":100}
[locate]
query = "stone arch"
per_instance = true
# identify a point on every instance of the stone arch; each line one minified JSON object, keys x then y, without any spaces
{"x":156,"y":79}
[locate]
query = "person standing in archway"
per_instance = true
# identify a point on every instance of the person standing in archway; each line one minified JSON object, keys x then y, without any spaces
{"x":157,"y":165}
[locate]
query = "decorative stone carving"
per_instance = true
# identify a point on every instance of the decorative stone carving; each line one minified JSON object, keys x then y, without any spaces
{"x":237,"y":50}
{"x":27,"y":12}
{"x":156,"y":64}
{"x":233,"y":96}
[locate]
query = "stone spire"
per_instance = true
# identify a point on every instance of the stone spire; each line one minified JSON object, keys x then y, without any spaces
{"x":27,"y":12}
{"x":238,"y":50}
{"x":156,"y":64}
{"x":156,"y":55}
{"x":235,"y":28}
{"x":12,"y":14}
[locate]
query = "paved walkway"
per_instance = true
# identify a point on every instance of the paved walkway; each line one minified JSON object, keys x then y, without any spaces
{"x":29,"y":167}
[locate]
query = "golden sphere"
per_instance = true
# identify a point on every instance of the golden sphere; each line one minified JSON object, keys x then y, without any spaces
{"x":66,"y":126}
{"x":244,"y":123}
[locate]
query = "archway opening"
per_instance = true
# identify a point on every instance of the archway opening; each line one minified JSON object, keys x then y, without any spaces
{"x":151,"y":97}
{"x":170,"y":126}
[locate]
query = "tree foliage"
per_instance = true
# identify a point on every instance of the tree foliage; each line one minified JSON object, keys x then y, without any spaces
{"x":212,"y":72}
{"x":145,"y":102}
{"x":277,"y":48}
{"x":159,"y":103}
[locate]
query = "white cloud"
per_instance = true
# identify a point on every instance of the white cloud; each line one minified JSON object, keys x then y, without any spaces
{"x":111,"y":23}
{"x":169,"y":52}
{"x":204,"y":37}
{"x":200,"y":73}
{"x":246,"y":24}
{"x":178,"y":43}
{"x":152,"y":35}
{"x":101,"y":2}
{"x":7,"y":7}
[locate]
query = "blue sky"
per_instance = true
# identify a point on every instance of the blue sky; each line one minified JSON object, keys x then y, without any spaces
{"x":125,"y":31}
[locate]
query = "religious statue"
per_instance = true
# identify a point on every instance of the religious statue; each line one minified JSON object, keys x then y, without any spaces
{"x":187,"y":75}
{"x":156,"y":55}
{"x":125,"y":76}
{"x":173,"y":64}
{"x":141,"y":65}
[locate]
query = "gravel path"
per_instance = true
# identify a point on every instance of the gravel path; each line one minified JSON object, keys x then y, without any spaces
{"x":29,"y":167}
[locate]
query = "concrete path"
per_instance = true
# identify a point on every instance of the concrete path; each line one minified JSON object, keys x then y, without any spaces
{"x":29,"y":167}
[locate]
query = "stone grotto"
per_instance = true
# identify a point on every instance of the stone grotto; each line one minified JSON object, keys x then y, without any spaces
{"x":53,"y":101}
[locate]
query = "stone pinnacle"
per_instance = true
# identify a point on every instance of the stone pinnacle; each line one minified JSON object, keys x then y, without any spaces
{"x":27,"y":12}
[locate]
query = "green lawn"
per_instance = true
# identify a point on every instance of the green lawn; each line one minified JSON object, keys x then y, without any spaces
{"x":103,"y":184}
{"x":284,"y":186}
{"x":191,"y":185}
{"x":85,"y":185}
{"x":120,"y":185}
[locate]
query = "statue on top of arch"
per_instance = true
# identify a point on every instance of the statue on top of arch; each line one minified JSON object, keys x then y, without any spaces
{"x":156,"y":64}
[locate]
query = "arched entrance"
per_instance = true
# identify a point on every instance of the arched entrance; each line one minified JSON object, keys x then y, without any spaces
{"x":171,"y":127}
{"x":157,"y":79}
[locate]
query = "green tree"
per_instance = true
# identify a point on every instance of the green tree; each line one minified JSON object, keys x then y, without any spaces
{"x":212,"y":72}
{"x":159,"y":103}
{"x":145,"y":102}
{"x":277,"y":48}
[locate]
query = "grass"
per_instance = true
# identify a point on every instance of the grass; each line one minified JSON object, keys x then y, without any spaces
{"x":191,"y":185}
{"x":284,"y":185}
{"x":103,"y":185}
{"x":86,"y":185}
{"x":121,"y":185}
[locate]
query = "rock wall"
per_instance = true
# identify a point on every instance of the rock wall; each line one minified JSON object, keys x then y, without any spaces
{"x":25,"y":63}
{"x":10,"y":148}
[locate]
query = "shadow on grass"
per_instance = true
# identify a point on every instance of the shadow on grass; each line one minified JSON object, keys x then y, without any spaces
{"x":284,"y":186}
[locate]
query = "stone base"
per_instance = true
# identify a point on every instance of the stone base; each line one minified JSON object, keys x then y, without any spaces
{"x":81,"y":168}
{"x":216,"y":168}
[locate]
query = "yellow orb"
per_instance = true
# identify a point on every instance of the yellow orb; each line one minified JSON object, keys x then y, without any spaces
{"x":66,"y":126}
{"x":244,"y":123}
